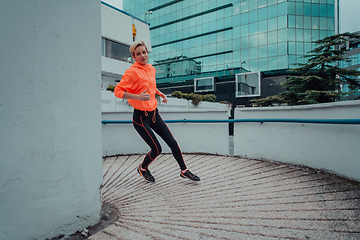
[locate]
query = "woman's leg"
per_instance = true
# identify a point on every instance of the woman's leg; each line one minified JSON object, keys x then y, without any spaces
{"x":163,"y":131}
{"x":142,"y":126}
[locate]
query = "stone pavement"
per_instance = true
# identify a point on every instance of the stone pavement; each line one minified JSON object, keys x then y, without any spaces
{"x":235,"y":199}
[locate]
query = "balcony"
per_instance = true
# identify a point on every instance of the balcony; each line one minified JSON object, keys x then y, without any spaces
{"x":279,"y":178}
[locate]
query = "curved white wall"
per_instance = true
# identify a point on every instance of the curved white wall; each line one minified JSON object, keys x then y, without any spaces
{"x":331,"y":147}
{"x":50,"y":163}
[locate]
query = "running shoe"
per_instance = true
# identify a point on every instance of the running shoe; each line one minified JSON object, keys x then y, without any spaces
{"x":189,"y":175}
{"x":146,"y":174}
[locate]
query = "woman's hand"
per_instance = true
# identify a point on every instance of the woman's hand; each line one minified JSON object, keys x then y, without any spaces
{"x":164,"y":99}
{"x":144,"y":96}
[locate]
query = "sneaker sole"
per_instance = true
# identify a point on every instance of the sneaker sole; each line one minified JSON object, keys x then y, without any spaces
{"x":143,"y":176}
{"x":189,"y":178}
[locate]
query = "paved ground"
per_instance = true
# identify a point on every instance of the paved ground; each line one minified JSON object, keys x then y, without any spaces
{"x":235,"y":199}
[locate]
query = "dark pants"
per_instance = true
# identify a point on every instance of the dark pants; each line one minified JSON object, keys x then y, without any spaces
{"x":145,"y":122}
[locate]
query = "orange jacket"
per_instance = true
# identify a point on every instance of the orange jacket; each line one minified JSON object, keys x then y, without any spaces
{"x":137,"y":79}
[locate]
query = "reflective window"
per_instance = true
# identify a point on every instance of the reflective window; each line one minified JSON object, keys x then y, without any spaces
{"x":116,"y":51}
{"x":248,"y":84}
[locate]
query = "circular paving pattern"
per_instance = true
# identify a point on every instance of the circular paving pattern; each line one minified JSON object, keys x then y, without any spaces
{"x":235,"y":199}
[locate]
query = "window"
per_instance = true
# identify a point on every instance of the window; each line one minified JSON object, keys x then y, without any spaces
{"x":247,"y":84}
{"x":204,"y":84}
{"x":116,"y":51}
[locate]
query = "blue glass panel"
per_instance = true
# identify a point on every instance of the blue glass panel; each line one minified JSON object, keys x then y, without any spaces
{"x":254,"y":65}
{"x":244,"y":55}
{"x":292,"y":48}
{"x":236,"y":56}
{"x":283,"y":62}
{"x":282,"y":35}
{"x":307,"y":22}
{"x":307,"y":35}
{"x":299,"y":8}
{"x":331,"y":10}
{"x":236,"y":20}
{"x":315,"y":22}
{"x":272,"y":50}
{"x":272,"y":37}
{"x":244,"y":7}
{"x":330,"y":1}
{"x":244,"y":18}
{"x":282,"y":22}
{"x":254,"y":41}
{"x":254,"y":53}
{"x":236,"y":44}
{"x":299,"y":22}
{"x":254,"y":28}
{"x":271,"y":2}
{"x":244,"y":30}
{"x":272,"y":63}
{"x":282,"y":48}
{"x":282,"y":9}
{"x":263,"y":26}
{"x":253,"y":5}
{"x":323,"y":11}
{"x":291,"y":8}
{"x":307,"y":47}
{"x":323,"y":34}
{"x":331,"y":24}
{"x":315,"y":35}
{"x":315,"y":10}
{"x":236,"y":8}
{"x":291,"y":21}
{"x":263,"y":64}
{"x":263,"y":51}
{"x":323,"y":22}
{"x":236,"y":31}
{"x":262,"y":3}
{"x":307,"y":9}
{"x":300,"y":35}
{"x":244,"y":42}
{"x":272,"y":24}
{"x":272,"y":11}
{"x":263,"y":13}
{"x":254,"y":16}
{"x":300,"y":48}
{"x":263,"y":38}
{"x":228,"y":22}
{"x":291,"y":34}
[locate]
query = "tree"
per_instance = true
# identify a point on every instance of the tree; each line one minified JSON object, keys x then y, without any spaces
{"x":318,"y":80}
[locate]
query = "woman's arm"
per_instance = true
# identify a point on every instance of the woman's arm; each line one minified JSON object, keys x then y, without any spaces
{"x":162,"y":95}
{"x":144,"y":96}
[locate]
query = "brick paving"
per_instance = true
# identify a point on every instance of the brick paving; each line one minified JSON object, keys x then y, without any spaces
{"x":235,"y":199}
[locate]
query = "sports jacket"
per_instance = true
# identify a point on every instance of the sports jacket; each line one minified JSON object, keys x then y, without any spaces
{"x":137,"y":79}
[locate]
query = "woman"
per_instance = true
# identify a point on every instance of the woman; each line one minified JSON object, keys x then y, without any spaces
{"x":138,"y":85}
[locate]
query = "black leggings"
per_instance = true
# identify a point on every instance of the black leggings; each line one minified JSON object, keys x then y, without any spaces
{"x":144,"y":122}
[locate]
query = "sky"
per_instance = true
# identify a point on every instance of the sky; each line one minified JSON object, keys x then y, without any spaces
{"x":349,"y":14}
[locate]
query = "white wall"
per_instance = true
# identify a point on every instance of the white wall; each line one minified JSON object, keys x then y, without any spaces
{"x":191,"y":137}
{"x":331,"y":147}
{"x":50,"y":131}
{"x":117,"y":26}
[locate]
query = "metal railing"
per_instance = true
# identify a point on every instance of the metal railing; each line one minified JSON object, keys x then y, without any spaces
{"x":283,"y":120}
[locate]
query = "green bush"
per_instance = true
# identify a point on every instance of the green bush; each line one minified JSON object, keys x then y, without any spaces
{"x":195,"y":98}
{"x":110,"y":88}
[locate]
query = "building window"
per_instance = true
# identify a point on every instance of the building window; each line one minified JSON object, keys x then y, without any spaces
{"x":248,"y":84}
{"x":114,"y":50}
{"x":204,"y":84}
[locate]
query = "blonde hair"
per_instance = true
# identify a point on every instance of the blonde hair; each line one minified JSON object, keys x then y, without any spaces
{"x":135,"y":45}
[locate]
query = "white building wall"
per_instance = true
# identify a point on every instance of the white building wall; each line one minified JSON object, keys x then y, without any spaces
{"x":117,"y":26}
{"x":191,"y":137}
{"x":331,"y":147}
{"x":50,"y":131}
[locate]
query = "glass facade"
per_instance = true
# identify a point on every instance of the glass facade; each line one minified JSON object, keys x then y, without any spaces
{"x":214,"y":38}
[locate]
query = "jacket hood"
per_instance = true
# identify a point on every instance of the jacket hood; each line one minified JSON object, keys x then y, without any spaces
{"x":138,"y":65}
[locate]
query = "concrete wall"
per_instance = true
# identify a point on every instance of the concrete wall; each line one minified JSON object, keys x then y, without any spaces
{"x":117,"y":26}
{"x":50,"y":132}
{"x":191,"y":137}
{"x":334,"y":148}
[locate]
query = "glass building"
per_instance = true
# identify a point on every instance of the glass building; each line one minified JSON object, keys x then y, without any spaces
{"x":196,"y":43}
